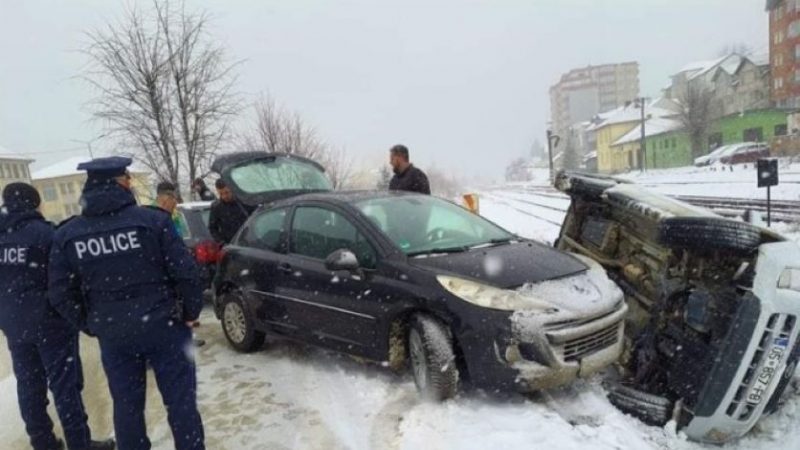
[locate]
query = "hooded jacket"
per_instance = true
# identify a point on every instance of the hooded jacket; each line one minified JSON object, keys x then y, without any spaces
{"x":118,"y":269}
{"x":25,"y":313}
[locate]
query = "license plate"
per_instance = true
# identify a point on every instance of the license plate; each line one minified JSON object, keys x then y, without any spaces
{"x":774,"y":358}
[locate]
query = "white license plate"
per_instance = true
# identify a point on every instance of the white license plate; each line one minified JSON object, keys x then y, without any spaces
{"x":759,"y":390}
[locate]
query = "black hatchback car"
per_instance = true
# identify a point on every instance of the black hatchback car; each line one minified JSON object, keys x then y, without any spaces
{"x":397,"y":277}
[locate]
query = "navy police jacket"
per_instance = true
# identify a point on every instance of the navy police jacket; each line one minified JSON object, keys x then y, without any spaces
{"x":118,"y":269}
{"x":25,"y":239}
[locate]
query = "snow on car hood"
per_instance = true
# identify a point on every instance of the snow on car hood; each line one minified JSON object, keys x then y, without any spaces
{"x":586,"y":295}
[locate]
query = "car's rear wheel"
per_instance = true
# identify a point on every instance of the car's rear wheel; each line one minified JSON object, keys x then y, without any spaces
{"x":432,"y":358}
{"x":238,"y":326}
{"x":709,"y":233}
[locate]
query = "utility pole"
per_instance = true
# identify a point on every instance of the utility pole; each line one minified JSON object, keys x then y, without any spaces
{"x":550,"y":144}
{"x":643,"y":141}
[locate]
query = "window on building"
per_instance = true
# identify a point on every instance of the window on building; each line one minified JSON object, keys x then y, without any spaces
{"x":781,"y":129}
{"x":63,"y":188}
{"x":2,"y":171}
{"x":674,"y":143}
{"x":15,"y":168}
{"x":778,"y":83}
{"x":49,"y":193}
{"x":753,"y":135}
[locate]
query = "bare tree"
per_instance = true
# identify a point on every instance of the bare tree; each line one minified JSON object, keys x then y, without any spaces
{"x":572,"y":152}
{"x":339,"y":167}
{"x":164,"y":88}
{"x":695,"y":116}
{"x":280,"y":131}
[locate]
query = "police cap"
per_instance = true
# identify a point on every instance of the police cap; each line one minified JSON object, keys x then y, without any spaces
{"x":107,"y":168}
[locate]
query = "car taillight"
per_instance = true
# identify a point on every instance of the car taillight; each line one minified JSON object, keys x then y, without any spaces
{"x":208,"y":252}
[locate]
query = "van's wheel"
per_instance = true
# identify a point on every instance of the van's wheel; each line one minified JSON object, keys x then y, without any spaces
{"x":238,"y":325}
{"x":709,"y":233}
{"x":433,"y":360}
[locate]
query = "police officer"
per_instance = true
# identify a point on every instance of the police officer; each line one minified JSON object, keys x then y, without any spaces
{"x":115,"y":271}
{"x":43,"y":346}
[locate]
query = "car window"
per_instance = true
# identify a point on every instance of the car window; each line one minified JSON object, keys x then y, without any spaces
{"x":318,"y":232}
{"x":280,"y":174}
{"x":421,"y":223}
{"x":265,"y":230}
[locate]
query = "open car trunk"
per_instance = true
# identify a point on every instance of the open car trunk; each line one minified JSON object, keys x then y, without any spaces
{"x":257,"y":178}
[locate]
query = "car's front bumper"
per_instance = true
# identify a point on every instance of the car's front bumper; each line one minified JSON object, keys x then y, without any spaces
{"x":543,"y":357}
{"x":727,"y":410}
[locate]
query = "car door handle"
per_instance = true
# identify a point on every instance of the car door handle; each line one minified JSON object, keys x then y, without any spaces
{"x":285,"y":268}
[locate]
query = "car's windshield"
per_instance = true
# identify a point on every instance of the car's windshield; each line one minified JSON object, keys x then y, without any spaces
{"x":422,"y":224}
{"x":279,"y":174}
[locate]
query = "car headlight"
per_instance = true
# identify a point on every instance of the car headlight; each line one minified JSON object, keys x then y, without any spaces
{"x":790,"y":279}
{"x":491,"y":297}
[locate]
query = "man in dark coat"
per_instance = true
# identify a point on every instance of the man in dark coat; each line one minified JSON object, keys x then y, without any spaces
{"x":227,"y":214}
{"x":406,"y":176}
{"x":43,"y":346}
{"x":117,"y":271}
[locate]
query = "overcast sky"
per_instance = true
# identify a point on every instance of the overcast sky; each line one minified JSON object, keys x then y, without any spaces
{"x":464,"y":84}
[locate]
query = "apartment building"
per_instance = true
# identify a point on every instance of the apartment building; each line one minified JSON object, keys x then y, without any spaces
{"x":13,"y":168}
{"x":583,"y":93}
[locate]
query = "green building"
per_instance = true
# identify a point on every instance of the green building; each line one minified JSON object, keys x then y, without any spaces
{"x":749,"y":126}
{"x":666,"y":145}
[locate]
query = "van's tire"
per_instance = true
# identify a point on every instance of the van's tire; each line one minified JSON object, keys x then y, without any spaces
{"x":432,"y":358}
{"x":709,"y":233}
{"x":238,"y":326}
{"x":649,"y":408}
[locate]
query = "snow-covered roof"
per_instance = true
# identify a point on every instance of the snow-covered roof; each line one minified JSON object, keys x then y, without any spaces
{"x":653,"y":127}
{"x":7,"y":154}
{"x":68,"y":167}
{"x":630,"y":113}
{"x":730,"y":63}
{"x":62,"y":168}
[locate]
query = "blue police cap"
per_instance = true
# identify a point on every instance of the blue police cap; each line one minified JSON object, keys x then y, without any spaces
{"x":107,"y":167}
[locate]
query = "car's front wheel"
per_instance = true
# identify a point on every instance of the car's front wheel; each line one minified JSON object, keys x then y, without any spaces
{"x":432,"y":358}
{"x":238,"y":325}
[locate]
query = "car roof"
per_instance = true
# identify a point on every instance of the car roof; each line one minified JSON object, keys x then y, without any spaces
{"x":195,"y":205}
{"x":348,"y":197}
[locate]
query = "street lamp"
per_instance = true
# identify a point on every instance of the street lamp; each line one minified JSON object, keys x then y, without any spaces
{"x":552,"y":141}
{"x":89,"y":143}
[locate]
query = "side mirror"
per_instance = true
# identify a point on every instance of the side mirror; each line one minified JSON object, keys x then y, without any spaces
{"x":342,"y":259}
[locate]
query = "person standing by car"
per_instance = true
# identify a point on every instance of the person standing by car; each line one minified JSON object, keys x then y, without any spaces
{"x":406,"y":176}
{"x":202,"y":191}
{"x":43,"y":346}
{"x":167,"y":200}
{"x":227,"y":215}
{"x":117,"y":271}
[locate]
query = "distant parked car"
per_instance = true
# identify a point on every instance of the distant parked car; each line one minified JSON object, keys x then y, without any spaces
{"x":713,"y":157}
{"x":198,"y":239}
{"x":746,"y":153}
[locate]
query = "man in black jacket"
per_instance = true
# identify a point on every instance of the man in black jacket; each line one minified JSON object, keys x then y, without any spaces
{"x":227,"y":215}
{"x":406,"y":176}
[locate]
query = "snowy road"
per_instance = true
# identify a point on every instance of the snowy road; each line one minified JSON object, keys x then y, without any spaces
{"x":294,"y":397}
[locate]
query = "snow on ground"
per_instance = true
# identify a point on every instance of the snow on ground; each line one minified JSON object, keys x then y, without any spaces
{"x":290,"y":396}
{"x":720,"y":181}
